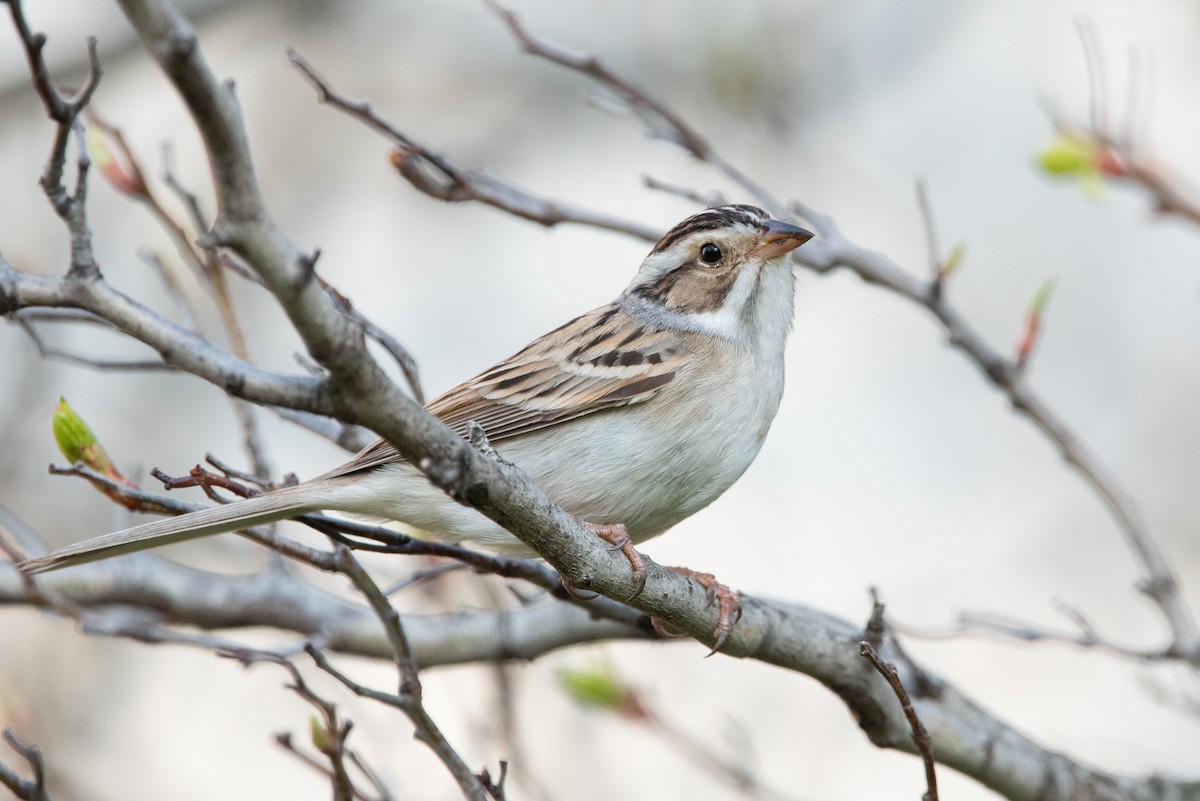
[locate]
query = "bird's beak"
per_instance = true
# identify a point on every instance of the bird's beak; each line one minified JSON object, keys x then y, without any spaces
{"x":779,"y":238}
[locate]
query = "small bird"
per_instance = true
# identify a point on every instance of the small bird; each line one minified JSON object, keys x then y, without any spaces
{"x":631,"y":417}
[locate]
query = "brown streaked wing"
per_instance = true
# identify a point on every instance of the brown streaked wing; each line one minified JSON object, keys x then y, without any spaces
{"x":592,"y":363}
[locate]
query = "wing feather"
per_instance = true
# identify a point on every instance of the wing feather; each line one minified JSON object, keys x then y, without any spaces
{"x":553,"y":380}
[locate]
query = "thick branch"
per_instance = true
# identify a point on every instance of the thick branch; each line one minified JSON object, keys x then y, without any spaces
{"x":144,"y":595}
{"x":177,"y":346}
{"x":795,"y":637}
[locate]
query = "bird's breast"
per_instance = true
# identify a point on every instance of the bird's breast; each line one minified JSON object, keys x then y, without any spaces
{"x":650,"y":465}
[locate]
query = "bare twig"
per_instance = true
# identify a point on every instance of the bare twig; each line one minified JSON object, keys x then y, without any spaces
{"x":199,"y":477}
{"x":350,"y":437}
{"x":439,"y":177}
{"x":25,"y":789}
{"x":404,"y":360}
{"x":659,"y":120}
{"x":940,"y":265}
{"x":494,"y":787}
{"x":240,"y":475}
{"x":409,"y":694}
{"x":328,"y":735}
{"x":425,"y":574}
{"x":284,"y":740}
{"x":919,"y":734}
{"x":712,"y":198}
{"x":48,"y":351}
{"x":982,"y":623}
{"x":64,"y":111}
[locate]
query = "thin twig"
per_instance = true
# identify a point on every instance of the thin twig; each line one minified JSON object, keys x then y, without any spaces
{"x":65,"y":111}
{"x":657,"y":117}
{"x":982,"y":623}
{"x":404,"y":360}
{"x":409,"y":692}
{"x":937,"y":269}
{"x":425,"y":574}
{"x":239,"y":475}
{"x":711,"y":198}
{"x":919,"y":734}
{"x":48,"y":351}
{"x":440,"y":177}
{"x":25,"y":789}
{"x":328,"y":735}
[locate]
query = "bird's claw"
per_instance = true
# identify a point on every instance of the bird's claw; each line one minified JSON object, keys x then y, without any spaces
{"x":729,"y":610}
{"x":618,"y":538}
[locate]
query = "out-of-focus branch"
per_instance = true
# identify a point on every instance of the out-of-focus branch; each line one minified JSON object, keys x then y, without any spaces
{"x":328,"y":735}
{"x":27,"y":319}
{"x":145,"y":597}
{"x":438,"y":176}
{"x":1085,"y":634}
{"x":24,"y":789}
{"x":659,"y":119}
{"x":1100,"y":148}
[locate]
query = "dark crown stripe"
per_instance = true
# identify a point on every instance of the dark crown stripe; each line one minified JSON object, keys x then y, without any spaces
{"x":710,"y":220}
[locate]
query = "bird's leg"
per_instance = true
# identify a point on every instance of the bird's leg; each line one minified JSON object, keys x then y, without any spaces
{"x":729,"y":610}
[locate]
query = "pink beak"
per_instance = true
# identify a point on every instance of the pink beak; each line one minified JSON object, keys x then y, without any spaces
{"x":778,"y":239}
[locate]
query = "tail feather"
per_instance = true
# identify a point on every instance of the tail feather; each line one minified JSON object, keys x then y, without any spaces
{"x":267,"y":508}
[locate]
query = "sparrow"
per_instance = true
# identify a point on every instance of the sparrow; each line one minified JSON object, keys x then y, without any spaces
{"x":632,"y":417}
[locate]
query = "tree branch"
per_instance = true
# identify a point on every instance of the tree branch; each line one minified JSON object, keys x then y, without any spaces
{"x":24,"y":789}
{"x":791,"y":636}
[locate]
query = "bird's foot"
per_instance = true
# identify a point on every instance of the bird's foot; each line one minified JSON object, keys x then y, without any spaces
{"x":616,"y":535}
{"x":729,"y":610}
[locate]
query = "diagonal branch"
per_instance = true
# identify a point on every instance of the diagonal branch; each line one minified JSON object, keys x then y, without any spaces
{"x":440,"y":177}
{"x":658,"y":118}
{"x":832,"y":250}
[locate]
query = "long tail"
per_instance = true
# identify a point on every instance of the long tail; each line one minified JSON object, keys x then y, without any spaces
{"x":266,"y":508}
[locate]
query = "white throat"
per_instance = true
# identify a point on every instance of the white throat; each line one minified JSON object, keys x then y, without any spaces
{"x":757,"y":312}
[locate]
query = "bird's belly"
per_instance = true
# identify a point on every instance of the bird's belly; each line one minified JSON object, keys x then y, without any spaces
{"x":632,"y":466}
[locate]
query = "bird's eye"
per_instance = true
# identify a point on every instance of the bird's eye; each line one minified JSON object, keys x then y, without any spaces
{"x":710,"y":254}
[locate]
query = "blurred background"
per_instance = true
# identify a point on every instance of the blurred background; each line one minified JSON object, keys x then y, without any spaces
{"x":892,"y":463}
